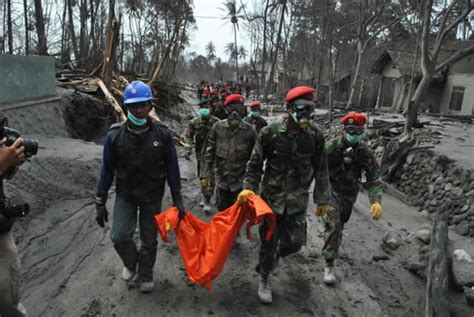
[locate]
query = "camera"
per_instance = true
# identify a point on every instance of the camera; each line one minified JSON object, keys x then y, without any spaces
{"x":11,"y":135}
{"x":9,"y":210}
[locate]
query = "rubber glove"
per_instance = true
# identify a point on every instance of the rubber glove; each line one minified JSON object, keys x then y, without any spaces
{"x":101,"y":211}
{"x":206,"y":182}
{"x":376,"y":211}
{"x":178,"y":202}
{"x":244,"y":194}
{"x":323,"y":210}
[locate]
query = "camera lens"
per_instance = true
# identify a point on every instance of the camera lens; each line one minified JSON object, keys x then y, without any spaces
{"x":31,"y":147}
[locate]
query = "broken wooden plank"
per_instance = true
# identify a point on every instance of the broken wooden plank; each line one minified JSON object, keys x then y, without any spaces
{"x":111,"y":100}
{"x":392,"y":191}
{"x":437,"y":299}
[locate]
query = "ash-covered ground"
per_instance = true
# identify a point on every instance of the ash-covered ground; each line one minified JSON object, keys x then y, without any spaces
{"x":70,"y":268}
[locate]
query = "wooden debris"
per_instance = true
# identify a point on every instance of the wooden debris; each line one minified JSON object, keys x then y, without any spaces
{"x":111,"y":100}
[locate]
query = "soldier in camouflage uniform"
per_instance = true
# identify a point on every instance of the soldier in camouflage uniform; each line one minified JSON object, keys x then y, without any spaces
{"x":197,"y":132}
{"x":255,"y":118}
{"x":295,"y":155}
{"x":228,"y":148}
{"x":348,"y":157}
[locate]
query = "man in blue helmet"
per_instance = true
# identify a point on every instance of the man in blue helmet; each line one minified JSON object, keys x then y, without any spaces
{"x":141,"y":154}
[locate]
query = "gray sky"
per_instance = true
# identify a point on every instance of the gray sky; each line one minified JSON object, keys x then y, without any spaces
{"x":217,"y":30}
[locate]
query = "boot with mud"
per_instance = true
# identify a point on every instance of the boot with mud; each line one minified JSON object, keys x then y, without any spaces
{"x":329,"y":276}
{"x":147,"y":287}
{"x":207,"y":206}
{"x":265,"y":290}
{"x":128,"y":275}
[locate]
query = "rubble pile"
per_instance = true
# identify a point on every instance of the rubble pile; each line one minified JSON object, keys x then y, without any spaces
{"x":437,"y":186}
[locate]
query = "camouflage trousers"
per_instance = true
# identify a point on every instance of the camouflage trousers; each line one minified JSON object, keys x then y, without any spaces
{"x":207,"y":191}
{"x":334,"y":224}
{"x":288,"y":238}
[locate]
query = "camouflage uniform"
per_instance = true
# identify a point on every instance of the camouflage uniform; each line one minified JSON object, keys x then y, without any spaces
{"x":257,"y":122}
{"x":226,"y":152}
{"x":345,"y":180}
{"x":198,"y":129}
{"x":292,"y":162}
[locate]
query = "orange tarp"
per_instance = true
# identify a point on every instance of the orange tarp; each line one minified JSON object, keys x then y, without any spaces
{"x":205,"y":246}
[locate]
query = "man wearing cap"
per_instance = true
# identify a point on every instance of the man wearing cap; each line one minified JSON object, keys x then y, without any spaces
{"x":348,"y":157}
{"x":197,"y":132}
{"x":140,"y":153}
{"x":228,"y":148}
{"x":255,"y":117}
{"x":293,"y":154}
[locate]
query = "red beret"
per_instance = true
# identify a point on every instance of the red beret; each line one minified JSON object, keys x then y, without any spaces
{"x":234,"y":98}
{"x":354,"y":118}
{"x":304,"y":92}
{"x":255,"y":104}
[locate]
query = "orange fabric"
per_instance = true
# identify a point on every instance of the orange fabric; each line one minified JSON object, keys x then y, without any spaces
{"x":205,"y":246}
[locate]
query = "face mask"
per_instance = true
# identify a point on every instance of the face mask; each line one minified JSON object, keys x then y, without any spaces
{"x":301,"y":119}
{"x":353,"y":138}
{"x":255,"y":113}
{"x":204,"y":112}
{"x":135,"y":120}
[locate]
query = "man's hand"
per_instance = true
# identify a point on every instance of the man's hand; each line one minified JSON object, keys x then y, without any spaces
{"x":181,"y":210}
{"x":376,"y":210}
{"x":102,"y":216}
{"x":13,"y":155}
{"x":206,"y":182}
{"x":243,"y":196}
{"x":323,"y":210}
{"x":178,"y":202}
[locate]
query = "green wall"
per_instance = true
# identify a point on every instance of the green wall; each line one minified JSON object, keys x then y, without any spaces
{"x":25,"y":78}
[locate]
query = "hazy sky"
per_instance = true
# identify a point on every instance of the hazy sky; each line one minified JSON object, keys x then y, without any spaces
{"x":216,"y":29}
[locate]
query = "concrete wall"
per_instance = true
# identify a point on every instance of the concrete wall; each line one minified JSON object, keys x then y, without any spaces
{"x":463,"y":80}
{"x":26,"y":78}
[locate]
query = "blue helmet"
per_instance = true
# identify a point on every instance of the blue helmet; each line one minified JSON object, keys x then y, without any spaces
{"x":136,"y":92}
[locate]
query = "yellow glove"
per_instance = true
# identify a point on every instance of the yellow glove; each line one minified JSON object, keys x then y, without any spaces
{"x":376,"y":211}
{"x":323,"y":210}
{"x":206,"y":182}
{"x":243,"y":195}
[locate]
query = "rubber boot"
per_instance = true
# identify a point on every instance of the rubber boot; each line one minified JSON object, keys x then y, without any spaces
{"x":329,"y":277}
{"x":265,"y":290}
{"x":207,"y":206}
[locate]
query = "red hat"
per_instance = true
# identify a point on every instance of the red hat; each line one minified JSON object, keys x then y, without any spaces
{"x":256,"y":104}
{"x":234,"y":98}
{"x":304,"y":92}
{"x":354,"y":118}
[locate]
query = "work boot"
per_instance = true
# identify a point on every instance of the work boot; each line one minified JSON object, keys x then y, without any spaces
{"x":202,"y":203}
{"x":207,"y":208}
{"x":127,"y":275}
{"x":265,"y":290}
{"x":22,"y":309}
{"x":329,"y":277}
{"x":147,"y":287}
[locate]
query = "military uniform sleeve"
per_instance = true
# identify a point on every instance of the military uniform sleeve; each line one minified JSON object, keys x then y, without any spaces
{"x":209,"y":154}
{"x":254,"y":171}
{"x":322,"y":188}
{"x":373,"y":175}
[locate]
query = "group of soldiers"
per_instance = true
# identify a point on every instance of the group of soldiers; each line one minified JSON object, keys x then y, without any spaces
{"x":238,"y":155}
{"x":234,"y":153}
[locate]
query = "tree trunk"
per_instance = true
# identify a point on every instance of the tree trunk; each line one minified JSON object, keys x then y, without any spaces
{"x":437,"y":286}
{"x":27,"y":32}
{"x":360,"y":52}
{"x":71,"y":30}
{"x":113,"y":28}
{"x":83,"y":45}
{"x":414,"y":103}
{"x":42,"y":47}
{"x":275,"y":56}
{"x":10,"y":27}
{"x":264,"y":49}
{"x":236,"y":54}
{"x":157,"y":70}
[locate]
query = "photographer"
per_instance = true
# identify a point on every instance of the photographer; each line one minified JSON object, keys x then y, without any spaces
{"x":10,"y":157}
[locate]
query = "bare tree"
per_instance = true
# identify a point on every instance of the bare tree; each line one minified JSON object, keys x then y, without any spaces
{"x":9,"y":26}
{"x":27,"y":35}
{"x":454,"y":14}
{"x":42,"y":46}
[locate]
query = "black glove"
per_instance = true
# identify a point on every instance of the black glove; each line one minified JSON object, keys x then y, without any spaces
{"x":101,"y":212}
{"x":178,"y":202}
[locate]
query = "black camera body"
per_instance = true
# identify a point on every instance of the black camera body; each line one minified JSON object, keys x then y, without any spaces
{"x":9,"y":210}
{"x":11,"y":135}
